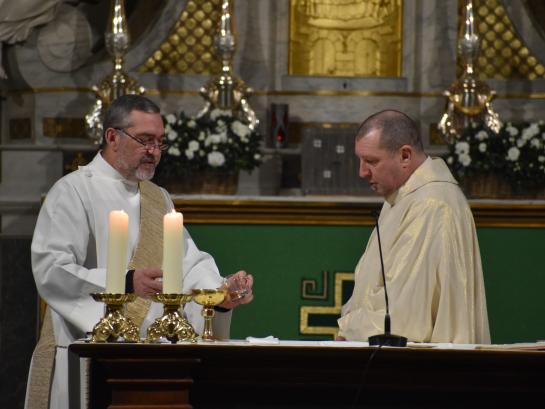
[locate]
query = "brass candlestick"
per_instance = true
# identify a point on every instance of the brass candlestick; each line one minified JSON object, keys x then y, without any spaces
{"x":118,"y":83}
{"x":114,"y":324}
{"x":208,"y":299}
{"x":172,"y":325}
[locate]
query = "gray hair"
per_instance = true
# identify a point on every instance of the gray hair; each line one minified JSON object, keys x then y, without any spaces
{"x":396,"y":129}
{"x":118,"y":114}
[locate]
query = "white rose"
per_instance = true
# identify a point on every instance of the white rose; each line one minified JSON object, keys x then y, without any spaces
{"x":174,"y":151}
{"x":193,"y":146}
{"x":512,"y":130}
{"x":462,"y":148}
{"x":527,"y":133}
{"x":172,"y":135}
{"x":464,"y":159}
{"x":513,"y":154}
{"x":192,"y":123}
{"x":240,"y":129}
{"x":201,"y":152}
{"x":201,"y":136}
{"x":216,"y":159}
{"x":218,"y":112}
{"x":450,"y":160}
{"x":213,"y":139}
{"x":541,"y":158}
{"x":521,"y":142}
{"x":536,"y":143}
{"x":481,"y":135}
{"x":257,"y":156}
{"x":482,"y":147}
{"x":171,"y":119}
{"x":189,"y":153}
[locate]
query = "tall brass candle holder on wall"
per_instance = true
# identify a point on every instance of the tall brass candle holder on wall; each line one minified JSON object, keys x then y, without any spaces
{"x":468,"y":98}
{"x":226,"y":91}
{"x":119,"y":82}
{"x":114,"y":325}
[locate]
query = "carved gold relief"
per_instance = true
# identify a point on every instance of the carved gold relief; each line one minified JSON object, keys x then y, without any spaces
{"x":345,"y":37}
{"x":189,"y":47}
{"x":503,"y":54}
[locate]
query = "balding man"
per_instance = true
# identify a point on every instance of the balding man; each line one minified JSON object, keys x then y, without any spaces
{"x":431,"y":253}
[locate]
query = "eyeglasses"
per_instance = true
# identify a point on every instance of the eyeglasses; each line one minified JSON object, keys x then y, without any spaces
{"x":149,"y":145}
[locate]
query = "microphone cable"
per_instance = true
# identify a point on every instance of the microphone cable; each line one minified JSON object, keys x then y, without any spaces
{"x":363,"y":378}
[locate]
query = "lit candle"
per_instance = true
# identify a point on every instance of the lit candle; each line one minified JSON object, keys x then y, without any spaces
{"x":118,"y":233}
{"x":173,"y":252}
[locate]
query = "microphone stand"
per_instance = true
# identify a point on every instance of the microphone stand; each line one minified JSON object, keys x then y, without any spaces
{"x":386,"y":339}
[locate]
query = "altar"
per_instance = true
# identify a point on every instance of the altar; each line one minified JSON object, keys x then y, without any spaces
{"x":296,"y":374}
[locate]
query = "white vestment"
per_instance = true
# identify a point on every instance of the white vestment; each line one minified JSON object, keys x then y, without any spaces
{"x":69,"y":258}
{"x":432,"y":265}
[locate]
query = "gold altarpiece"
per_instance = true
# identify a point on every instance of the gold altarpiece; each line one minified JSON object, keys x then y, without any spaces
{"x":345,"y":37}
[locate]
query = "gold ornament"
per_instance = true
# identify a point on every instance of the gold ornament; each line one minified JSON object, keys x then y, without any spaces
{"x":468,"y":98}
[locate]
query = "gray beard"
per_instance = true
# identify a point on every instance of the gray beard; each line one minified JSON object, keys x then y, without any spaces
{"x":142,"y":174}
{"x":139,"y":173}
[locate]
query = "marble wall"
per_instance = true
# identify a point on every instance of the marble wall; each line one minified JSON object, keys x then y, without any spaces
{"x":36,"y":91}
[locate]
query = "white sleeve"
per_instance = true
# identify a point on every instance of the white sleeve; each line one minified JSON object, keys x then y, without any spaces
{"x":59,"y":251}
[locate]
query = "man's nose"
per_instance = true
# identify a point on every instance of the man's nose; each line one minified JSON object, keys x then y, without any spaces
{"x":364,"y":171}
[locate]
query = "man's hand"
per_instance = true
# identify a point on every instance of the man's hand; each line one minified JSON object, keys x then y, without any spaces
{"x":146,"y":282}
{"x":235,"y":284}
{"x":340,"y":338}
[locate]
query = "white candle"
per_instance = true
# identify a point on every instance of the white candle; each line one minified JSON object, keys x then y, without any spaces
{"x":118,"y":233}
{"x":173,"y":252}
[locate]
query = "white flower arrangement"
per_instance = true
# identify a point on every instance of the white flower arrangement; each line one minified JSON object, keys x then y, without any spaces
{"x":217,"y":142}
{"x":517,"y":153}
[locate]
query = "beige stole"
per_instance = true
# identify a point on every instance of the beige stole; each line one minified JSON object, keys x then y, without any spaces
{"x":149,"y":250}
{"x":148,"y":253}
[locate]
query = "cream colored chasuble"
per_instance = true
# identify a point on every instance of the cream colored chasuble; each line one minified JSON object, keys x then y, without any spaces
{"x":432,"y":263}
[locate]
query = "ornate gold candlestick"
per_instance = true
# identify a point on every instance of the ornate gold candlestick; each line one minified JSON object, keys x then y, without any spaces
{"x":114,"y":324}
{"x":118,"y":83}
{"x":172,"y":325}
{"x":208,"y":299}
{"x":226,"y":91}
{"x":468,"y":99}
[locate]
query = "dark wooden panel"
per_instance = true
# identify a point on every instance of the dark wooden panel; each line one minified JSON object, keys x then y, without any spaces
{"x":317,"y":376}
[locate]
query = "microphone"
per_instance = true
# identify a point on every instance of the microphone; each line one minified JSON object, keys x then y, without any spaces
{"x":386,"y":339}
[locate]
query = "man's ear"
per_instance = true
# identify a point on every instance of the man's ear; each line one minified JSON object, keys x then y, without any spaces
{"x":111,"y":138}
{"x":406,"y":155}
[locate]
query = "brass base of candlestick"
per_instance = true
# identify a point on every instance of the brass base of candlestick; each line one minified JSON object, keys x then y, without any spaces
{"x":208,"y":298}
{"x":114,"y":325}
{"x":172,"y":325}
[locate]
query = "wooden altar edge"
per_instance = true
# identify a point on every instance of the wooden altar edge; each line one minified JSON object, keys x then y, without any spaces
{"x":299,"y":212}
{"x":319,"y":376}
